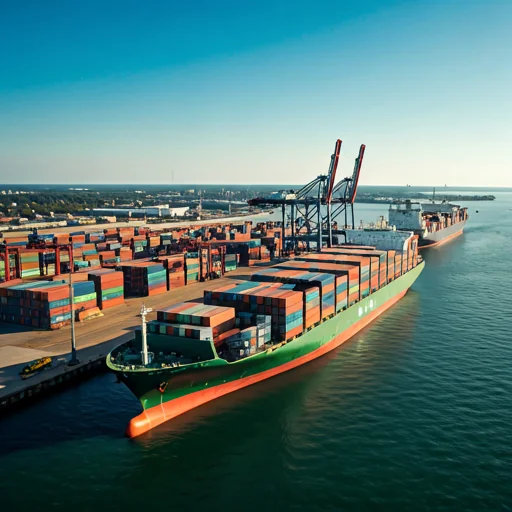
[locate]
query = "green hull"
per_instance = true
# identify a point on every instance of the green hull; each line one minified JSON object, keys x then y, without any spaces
{"x":155,"y":387}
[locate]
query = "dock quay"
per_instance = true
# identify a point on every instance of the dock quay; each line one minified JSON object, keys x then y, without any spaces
{"x":94,"y":339}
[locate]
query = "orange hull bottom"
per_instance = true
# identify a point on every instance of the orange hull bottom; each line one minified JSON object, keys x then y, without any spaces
{"x":154,"y":416}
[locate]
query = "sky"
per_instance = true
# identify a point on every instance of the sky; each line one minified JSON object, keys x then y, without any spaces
{"x":255,"y":92}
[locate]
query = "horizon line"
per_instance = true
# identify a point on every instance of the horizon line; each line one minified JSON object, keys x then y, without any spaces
{"x":233,"y":185}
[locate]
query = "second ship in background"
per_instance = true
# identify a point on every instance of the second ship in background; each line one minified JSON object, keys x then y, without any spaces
{"x":434,"y":223}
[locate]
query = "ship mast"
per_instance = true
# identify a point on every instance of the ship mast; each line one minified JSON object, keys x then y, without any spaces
{"x":143,"y":312}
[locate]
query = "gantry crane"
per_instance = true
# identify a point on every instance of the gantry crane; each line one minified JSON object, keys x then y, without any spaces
{"x":317,"y":203}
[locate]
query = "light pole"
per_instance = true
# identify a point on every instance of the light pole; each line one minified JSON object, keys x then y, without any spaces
{"x":74,"y":360}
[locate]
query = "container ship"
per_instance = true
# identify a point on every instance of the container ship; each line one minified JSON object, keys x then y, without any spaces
{"x":434,"y":223}
{"x":247,"y":331}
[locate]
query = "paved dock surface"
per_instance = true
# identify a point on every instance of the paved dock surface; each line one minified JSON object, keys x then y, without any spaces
{"x":94,"y":338}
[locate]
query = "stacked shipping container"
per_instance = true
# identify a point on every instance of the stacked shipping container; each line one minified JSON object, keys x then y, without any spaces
{"x":109,"y":287}
{"x":44,"y":304}
{"x":175,"y":267}
{"x":30,"y":266}
{"x":302,"y":280}
{"x":250,"y":339}
{"x":361,"y":263}
{"x":112,"y":246}
{"x":347,"y":278}
{"x":284,"y":305}
{"x":84,"y":296}
{"x":382,"y":266}
{"x":144,"y":279}
{"x":312,"y":312}
{"x":189,"y":315}
{"x":192,"y":267}
{"x":230,"y":262}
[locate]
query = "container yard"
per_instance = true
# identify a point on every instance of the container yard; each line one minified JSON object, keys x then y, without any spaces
{"x":117,"y":263}
{"x":113,"y":272}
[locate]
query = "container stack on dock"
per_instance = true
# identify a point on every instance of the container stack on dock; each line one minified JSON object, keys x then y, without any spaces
{"x":114,"y":249}
{"x":165,"y":239}
{"x":124,"y":254}
{"x":232,"y":245}
{"x":192,"y":267}
{"x":124,"y":234}
{"x":44,"y":304}
{"x":110,"y":234}
{"x":109,"y":287}
{"x":84,"y":296}
{"x":249,"y":252}
{"x":17,"y":241}
{"x":41,"y":305}
{"x":254,"y":251}
{"x":204,"y":264}
{"x":30,"y":266}
{"x":47,"y":262}
{"x":95,"y":236}
{"x":175,"y":267}
{"x":216,"y":262}
{"x":140,"y":245}
{"x":144,"y":279}
{"x":78,"y":258}
{"x":108,"y":256}
{"x":77,"y":237}
{"x":230,"y":262}
{"x":90,"y":254}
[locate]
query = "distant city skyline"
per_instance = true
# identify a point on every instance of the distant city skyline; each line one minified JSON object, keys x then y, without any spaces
{"x":119,"y":92}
